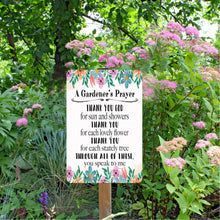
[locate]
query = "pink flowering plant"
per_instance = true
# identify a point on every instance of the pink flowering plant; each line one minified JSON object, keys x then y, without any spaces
{"x":181,"y":90}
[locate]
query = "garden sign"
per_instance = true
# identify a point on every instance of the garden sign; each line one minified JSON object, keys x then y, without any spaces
{"x":104,"y":126}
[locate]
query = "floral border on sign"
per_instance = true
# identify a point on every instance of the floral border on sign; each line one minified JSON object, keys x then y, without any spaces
{"x":105,"y":77}
{"x":116,"y":175}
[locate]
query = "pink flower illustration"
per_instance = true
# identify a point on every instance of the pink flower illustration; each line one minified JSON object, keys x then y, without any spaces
{"x":116,"y":172}
{"x":69,"y":173}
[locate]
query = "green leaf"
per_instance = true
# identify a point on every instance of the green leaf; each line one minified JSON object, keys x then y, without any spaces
{"x":98,"y":38}
{"x":182,"y":202}
{"x":174,"y":179}
{"x":190,"y":195}
{"x":195,"y":209}
{"x":119,"y":18}
{"x":183,"y":216}
{"x":189,"y":61}
{"x":7,"y":124}
{"x":61,"y":216}
{"x":170,"y":188}
{"x":142,"y":212}
{"x":137,"y":206}
{"x":120,"y":191}
{"x":204,"y":202}
{"x":171,"y":102}
{"x":161,"y":140}
{"x":208,"y":105}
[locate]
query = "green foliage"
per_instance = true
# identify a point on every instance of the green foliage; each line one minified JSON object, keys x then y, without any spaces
{"x":33,"y":37}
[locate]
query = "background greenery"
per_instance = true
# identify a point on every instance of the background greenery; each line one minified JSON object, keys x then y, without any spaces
{"x":32,"y":50}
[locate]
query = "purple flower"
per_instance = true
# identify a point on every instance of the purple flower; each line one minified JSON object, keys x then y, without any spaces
{"x":21,"y":121}
{"x":43,"y":198}
{"x":43,"y":201}
{"x":101,"y":81}
{"x":69,"y":173}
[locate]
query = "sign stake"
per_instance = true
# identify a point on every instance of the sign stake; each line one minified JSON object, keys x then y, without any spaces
{"x":105,"y":200}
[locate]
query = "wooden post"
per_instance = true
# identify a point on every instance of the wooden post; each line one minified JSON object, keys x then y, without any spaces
{"x":105,"y":200}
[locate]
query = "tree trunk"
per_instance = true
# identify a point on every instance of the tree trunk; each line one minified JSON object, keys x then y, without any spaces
{"x":62,"y":21}
{"x":10,"y":37}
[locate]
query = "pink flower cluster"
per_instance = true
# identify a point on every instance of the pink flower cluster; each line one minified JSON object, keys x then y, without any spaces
{"x":27,"y":111}
{"x":176,"y":27}
{"x":192,"y":31}
{"x":215,"y":161}
{"x":68,"y":64}
{"x":38,"y":106}
{"x":83,"y":47}
{"x":21,"y":121}
{"x":211,"y":136}
{"x":174,"y":144}
{"x":202,"y":144}
{"x":196,"y":105}
{"x":150,"y":83}
{"x":209,"y":74}
{"x":167,"y":84}
{"x":21,"y":84}
{"x":175,"y":162}
{"x":167,"y":35}
{"x":142,"y":52}
{"x":117,"y":60}
{"x":200,"y":46}
{"x":199,"y":124}
{"x":150,"y":42}
{"x":214,"y":153}
{"x":196,"y":45}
